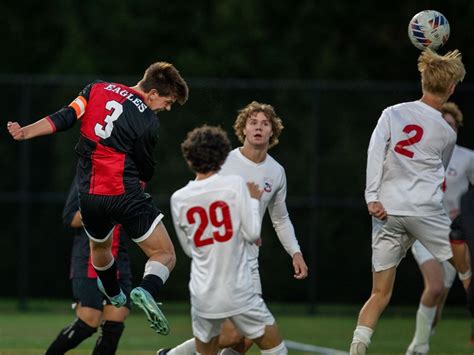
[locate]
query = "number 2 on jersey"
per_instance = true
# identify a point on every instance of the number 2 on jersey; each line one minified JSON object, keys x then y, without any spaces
{"x":400,"y":146}
{"x":117,"y":109}
{"x":218,"y":215}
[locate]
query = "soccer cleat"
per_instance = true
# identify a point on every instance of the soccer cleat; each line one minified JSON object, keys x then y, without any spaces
{"x":145,"y":301}
{"x":163,"y":351}
{"x":118,"y":301}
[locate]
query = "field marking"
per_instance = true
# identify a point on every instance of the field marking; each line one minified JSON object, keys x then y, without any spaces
{"x":313,"y":348}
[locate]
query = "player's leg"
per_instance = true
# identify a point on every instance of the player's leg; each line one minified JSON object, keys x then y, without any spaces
{"x":88,"y":314}
{"x":161,"y":260}
{"x":431,"y":297}
{"x":95,"y":213}
{"x":389,"y":245}
{"x":382,"y":287}
{"x":206,"y":335}
{"x":112,"y":325}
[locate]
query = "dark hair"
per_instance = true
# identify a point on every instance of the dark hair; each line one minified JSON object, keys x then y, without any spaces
{"x":206,"y":148}
{"x":165,"y":78}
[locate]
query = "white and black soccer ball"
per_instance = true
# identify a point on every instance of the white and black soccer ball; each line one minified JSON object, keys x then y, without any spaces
{"x":428,"y":29}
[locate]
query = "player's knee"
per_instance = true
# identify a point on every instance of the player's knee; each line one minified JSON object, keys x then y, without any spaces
{"x":381,"y":297}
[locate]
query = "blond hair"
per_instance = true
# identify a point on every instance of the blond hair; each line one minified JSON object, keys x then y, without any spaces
{"x":253,"y":108}
{"x":453,"y":109}
{"x":438,"y":72}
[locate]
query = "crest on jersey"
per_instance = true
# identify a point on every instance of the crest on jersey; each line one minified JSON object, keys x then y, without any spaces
{"x":452,"y":172}
{"x":267,"y":184}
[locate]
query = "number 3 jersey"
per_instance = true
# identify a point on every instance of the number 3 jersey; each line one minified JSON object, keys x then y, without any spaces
{"x":408,"y":153}
{"x":211,"y":218}
{"x":117,"y":136}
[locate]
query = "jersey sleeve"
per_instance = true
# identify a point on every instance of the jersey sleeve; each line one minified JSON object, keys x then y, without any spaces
{"x":143,"y":152}
{"x":67,"y":116}
{"x":179,"y":227}
{"x":375,"y":157}
{"x":72,"y":204}
{"x":448,"y":151}
{"x":470,"y":168}
{"x":249,"y":209}
{"x":281,"y":220}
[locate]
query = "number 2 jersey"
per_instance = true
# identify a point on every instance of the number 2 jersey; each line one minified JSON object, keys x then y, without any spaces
{"x":117,"y":136}
{"x":408,"y":153}
{"x":211,"y":218}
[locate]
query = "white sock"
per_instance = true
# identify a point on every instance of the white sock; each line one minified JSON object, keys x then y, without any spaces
{"x":277,"y":350}
{"x":424,"y":320}
{"x":186,"y":348}
{"x":362,"y":335}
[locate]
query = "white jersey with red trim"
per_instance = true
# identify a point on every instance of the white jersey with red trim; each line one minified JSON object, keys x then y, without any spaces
{"x":211,"y":218}
{"x":271,"y":177}
{"x":459,"y":174}
{"x":408,"y":152}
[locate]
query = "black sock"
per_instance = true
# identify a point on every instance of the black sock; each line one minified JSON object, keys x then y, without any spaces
{"x":152,"y":284}
{"x":70,"y":337}
{"x":108,"y":341}
{"x":109,"y":280}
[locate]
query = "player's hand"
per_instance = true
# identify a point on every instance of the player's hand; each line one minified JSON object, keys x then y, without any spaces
{"x":377,"y":210}
{"x":16,"y":131}
{"x":301,"y":269}
{"x":258,"y":242}
{"x":255,"y":192}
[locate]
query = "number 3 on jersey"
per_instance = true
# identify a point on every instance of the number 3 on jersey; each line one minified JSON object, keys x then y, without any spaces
{"x":218,"y":215}
{"x":400,"y":146}
{"x":117,"y":109}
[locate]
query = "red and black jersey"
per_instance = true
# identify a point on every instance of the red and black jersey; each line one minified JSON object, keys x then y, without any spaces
{"x":117,"y":138}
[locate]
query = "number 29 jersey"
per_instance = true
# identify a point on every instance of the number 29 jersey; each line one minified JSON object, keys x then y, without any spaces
{"x":211,"y":218}
{"x":408,"y":153}
{"x":117,"y":137}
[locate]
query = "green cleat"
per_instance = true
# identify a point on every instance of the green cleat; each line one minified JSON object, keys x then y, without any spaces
{"x":118,"y":301}
{"x":145,"y":301}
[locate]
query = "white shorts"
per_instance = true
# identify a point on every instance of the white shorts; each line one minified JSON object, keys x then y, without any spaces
{"x":393,"y":237}
{"x":251,"y":324}
{"x":422,"y":255}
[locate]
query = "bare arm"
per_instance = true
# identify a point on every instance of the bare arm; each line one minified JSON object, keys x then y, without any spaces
{"x":39,"y":128}
{"x":76,"y":220}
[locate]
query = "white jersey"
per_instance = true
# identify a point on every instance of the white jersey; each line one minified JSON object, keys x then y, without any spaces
{"x":459,"y":174}
{"x":408,"y":152}
{"x":270,"y":176}
{"x":211,"y":217}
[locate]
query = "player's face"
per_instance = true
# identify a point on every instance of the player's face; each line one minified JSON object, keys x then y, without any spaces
{"x":159,"y":103}
{"x":451,"y":121}
{"x":258,"y":129}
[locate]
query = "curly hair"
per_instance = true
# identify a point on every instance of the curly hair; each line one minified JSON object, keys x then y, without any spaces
{"x":165,"y":78}
{"x":206,"y":148}
{"x":453,"y":110}
{"x":253,"y":108}
{"x":439,"y":72}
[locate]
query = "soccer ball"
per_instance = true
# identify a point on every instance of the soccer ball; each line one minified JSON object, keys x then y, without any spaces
{"x":428,"y":29}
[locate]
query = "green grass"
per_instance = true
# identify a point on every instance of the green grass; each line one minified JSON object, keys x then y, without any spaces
{"x":31,"y":332}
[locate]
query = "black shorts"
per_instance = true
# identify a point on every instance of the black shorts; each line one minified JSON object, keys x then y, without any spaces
{"x":86,"y":293}
{"x":135,"y":212}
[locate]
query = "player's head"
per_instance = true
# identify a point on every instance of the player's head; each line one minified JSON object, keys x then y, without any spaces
{"x":248,"y":116}
{"x":206,"y":148}
{"x":452,"y":114}
{"x":163,"y":85}
{"x":440,"y":74}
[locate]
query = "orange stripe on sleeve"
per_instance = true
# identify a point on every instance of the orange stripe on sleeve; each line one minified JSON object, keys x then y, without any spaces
{"x":79,"y":105}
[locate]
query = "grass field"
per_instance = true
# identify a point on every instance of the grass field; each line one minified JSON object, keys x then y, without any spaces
{"x":332,"y":326}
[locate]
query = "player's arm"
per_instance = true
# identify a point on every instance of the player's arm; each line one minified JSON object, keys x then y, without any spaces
{"x":180,"y":231}
{"x":143,"y":152}
{"x":249,"y":195}
{"x":448,"y":151}
{"x":375,"y":158}
{"x":285,"y":231}
{"x":61,"y":120}
{"x":71,"y":215}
